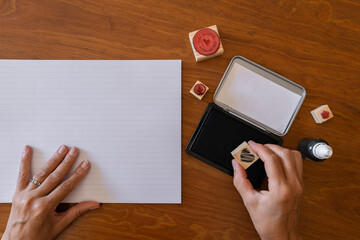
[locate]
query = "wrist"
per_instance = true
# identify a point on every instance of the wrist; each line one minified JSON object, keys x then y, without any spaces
{"x":283,"y":237}
{"x":4,"y":236}
{"x":289,"y":235}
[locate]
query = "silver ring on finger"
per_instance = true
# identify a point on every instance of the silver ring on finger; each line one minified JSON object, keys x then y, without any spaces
{"x":35,"y":182}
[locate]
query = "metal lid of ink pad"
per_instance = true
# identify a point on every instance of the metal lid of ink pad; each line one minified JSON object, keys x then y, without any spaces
{"x":259,"y":96}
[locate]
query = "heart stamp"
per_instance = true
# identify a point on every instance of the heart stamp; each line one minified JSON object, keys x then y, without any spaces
{"x":206,"y":41}
{"x":245,"y":155}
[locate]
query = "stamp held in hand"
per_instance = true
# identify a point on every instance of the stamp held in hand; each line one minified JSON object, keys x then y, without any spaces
{"x":245,"y":155}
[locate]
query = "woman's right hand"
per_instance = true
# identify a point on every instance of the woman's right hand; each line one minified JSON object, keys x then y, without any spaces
{"x":274,"y":213}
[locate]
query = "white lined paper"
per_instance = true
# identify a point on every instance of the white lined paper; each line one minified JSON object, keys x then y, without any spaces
{"x":124,"y":116}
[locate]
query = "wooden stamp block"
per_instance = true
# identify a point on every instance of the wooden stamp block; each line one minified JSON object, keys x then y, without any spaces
{"x":199,"y":90}
{"x":206,"y":43}
{"x":245,"y":155}
{"x":322,"y":114}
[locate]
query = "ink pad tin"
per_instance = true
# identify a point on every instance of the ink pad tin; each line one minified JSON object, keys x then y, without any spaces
{"x":251,"y":102}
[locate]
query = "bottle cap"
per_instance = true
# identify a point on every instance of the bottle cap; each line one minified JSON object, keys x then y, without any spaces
{"x":322,"y":151}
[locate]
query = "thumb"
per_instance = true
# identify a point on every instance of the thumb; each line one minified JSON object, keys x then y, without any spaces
{"x":241,"y":183}
{"x":75,"y":212}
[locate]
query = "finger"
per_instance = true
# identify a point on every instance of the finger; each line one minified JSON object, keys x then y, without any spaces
{"x":65,"y":188}
{"x":287,"y":159}
{"x":49,"y":166}
{"x":299,"y":165}
{"x":242,"y":183}
{"x":272,"y":163}
{"x":75,"y":212}
{"x":25,"y":168}
{"x":59,"y":173}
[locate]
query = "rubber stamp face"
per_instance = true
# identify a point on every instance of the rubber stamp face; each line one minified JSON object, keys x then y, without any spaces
{"x":206,"y":41}
{"x":246,"y":156}
{"x":325,"y":114}
{"x":199,"y":89}
{"x":322,"y":114}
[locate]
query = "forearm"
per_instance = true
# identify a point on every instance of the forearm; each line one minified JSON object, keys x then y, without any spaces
{"x":290,"y":232}
{"x":3,"y":236}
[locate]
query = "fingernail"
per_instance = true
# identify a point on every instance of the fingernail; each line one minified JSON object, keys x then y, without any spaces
{"x":95,"y":207}
{"x":73,"y":151}
{"x":234,"y":164}
{"x":85,"y":164}
{"x":25,"y":151}
{"x":252,"y":143}
{"x":62,"y":149}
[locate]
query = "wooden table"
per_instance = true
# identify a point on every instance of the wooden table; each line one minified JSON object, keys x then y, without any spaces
{"x":314,"y":43}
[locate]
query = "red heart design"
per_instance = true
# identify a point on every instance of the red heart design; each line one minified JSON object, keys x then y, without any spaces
{"x":206,"y":41}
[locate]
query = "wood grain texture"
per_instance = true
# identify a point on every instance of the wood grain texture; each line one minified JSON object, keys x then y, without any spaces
{"x":315,"y":43}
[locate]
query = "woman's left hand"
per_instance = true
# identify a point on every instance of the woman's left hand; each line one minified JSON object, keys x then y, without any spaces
{"x":33,"y":214}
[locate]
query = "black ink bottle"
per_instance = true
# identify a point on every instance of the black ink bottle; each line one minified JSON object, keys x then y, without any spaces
{"x":315,"y":149}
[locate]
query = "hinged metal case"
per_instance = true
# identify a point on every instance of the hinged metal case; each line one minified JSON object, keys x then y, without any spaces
{"x":261,"y":104}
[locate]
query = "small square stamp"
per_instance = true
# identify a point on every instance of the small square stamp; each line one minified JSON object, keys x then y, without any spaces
{"x":199,"y":90}
{"x":244,"y":155}
{"x":206,"y":43}
{"x":322,"y":114}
